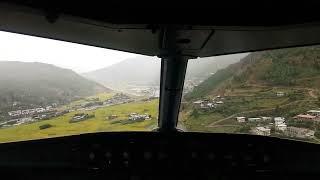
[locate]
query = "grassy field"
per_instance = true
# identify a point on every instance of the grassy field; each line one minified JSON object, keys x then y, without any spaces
{"x":199,"y":120}
{"x":62,"y":127}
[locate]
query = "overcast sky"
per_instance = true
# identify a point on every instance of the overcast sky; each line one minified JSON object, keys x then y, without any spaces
{"x":80,"y":58}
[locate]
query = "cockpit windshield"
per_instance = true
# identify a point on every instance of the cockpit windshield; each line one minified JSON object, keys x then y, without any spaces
{"x":268,"y":93}
{"x":50,"y":88}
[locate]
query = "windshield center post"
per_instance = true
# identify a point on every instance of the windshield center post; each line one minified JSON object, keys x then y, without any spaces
{"x":173,"y":70}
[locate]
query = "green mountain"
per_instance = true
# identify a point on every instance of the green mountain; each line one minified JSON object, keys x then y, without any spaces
{"x":28,"y":84}
{"x":286,"y":67}
{"x":271,"y":83}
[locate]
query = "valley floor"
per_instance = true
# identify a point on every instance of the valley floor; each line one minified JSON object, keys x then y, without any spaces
{"x":61,"y":126}
{"x":250,"y":101}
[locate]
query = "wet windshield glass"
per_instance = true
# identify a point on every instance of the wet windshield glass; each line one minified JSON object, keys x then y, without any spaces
{"x":269,"y":93}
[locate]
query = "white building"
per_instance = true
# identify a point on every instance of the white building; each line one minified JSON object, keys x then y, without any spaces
{"x":15,"y":113}
{"x":211,"y":105}
{"x":279,"y":124}
{"x":204,"y":106}
{"x":39,"y":110}
{"x":254,"y":119}
{"x":24,"y":112}
{"x":280,"y":94}
{"x":48,"y":108}
{"x":135,"y":117}
{"x":266,"y":118}
{"x":314,"y":112}
{"x":198,"y":102}
{"x":279,"y":120}
{"x":263,"y":131}
{"x":241,"y":119}
{"x":281,"y":127}
{"x":219,"y":102}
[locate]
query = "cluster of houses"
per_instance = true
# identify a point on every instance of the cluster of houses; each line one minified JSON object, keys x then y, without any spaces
{"x":15,"y":122}
{"x":133,"y":117}
{"x":118,"y":98}
{"x":43,"y":115}
{"x":280,"y":125}
{"x":50,"y":114}
{"x":80,"y":117}
{"x":290,"y":131}
{"x":29,"y":111}
{"x":23,"y":121}
{"x":93,"y":104}
{"x":209,"y":103}
{"x":262,"y":131}
{"x":277,"y":122}
{"x":139,"y":117}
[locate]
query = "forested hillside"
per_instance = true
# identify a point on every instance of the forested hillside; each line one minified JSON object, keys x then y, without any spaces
{"x":29,"y":84}
{"x":285,"y":67}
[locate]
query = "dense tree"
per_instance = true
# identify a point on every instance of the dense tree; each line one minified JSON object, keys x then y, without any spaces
{"x":244,"y":129}
{"x":45,"y":126}
{"x":195,"y":113}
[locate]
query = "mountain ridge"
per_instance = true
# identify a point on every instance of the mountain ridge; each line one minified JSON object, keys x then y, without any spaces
{"x":283,"y":67}
{"x":39,"y":83}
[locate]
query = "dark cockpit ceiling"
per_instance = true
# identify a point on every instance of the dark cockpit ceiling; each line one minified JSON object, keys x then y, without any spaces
{"x":199,"y":33}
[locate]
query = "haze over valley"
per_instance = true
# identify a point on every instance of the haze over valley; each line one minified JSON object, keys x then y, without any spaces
{"x":142,"y":74}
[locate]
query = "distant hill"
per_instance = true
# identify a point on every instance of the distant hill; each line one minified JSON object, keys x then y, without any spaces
{"x":137,"y":71}
{"x":144,"y":70}
{"x":285,"y":67}
{"x":40,"y":84}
